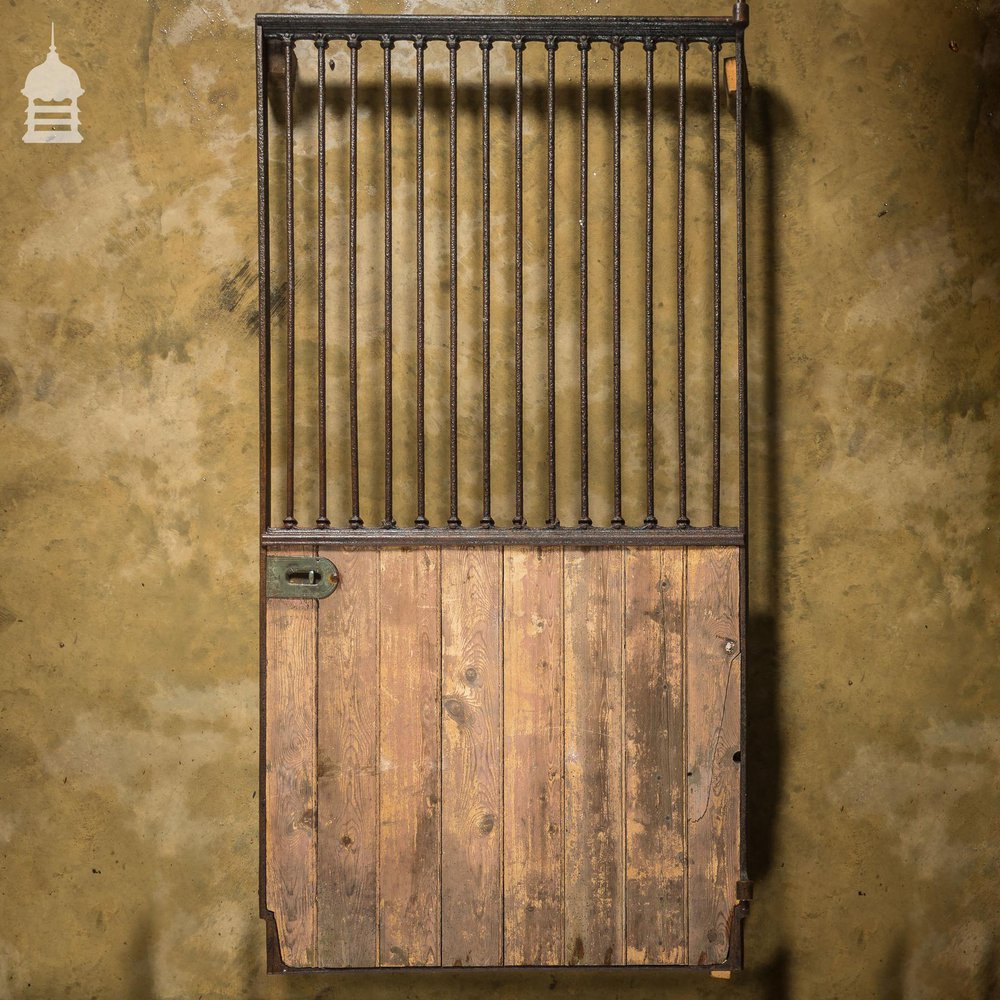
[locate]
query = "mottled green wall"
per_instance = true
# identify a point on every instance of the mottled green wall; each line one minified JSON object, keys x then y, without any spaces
{"x":128,"y":817}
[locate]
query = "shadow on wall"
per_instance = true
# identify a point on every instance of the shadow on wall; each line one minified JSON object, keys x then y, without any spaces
{"x":140,"y":964}
{"x":768,"y":119}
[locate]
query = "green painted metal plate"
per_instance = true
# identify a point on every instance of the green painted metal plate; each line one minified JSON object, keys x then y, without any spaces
{"x":310,"y":577}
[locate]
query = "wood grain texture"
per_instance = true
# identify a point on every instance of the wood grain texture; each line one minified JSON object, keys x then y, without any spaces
{"x":410,"y":721}
{"x":533,"y":754}
{"x":713,"y":663}
{"x":513,"y":756}
{"x":472,"y":821}
{"x":347,"y":765}
{"x":594,"y":814}
{"x":290,"y":779}
{"x":654,"y":767}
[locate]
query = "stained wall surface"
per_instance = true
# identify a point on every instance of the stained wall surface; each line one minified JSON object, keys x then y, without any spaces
{"x":128,"y":716}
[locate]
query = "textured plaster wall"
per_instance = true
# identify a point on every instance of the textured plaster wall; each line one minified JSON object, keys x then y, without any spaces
{"x":128,"y":715}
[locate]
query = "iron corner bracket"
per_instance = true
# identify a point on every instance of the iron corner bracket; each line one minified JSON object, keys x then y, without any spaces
{"x":275,"y":963}
{"x":734,"y":963}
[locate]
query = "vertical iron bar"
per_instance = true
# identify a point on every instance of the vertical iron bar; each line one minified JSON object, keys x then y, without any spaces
{"x":650,"y":46}
{"x":741,"y":283}
{"x":487,"y":519}
{"x":355,"y":522}
{"x":617,"y":521}
{"x":322,"y":521}
{"x":552,"y":521}
{"x":420,"y":44}
{"x":741,"y":14}
{"x":387,"y":43}
{"x":264,"y":283}
{"x":717,"y":288}
{"x":453,"y":519}
{"x":264,"y":326}
{"x":584,"y":522}
{"x":519,"y":521}
{"x":682,"y":518}
{"x":290,"y":521}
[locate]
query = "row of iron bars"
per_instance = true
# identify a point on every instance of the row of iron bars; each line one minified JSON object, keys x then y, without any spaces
{"x":285,"y":29}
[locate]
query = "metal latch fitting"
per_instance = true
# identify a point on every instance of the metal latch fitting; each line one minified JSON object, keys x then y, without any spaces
{"x":301,"y":576}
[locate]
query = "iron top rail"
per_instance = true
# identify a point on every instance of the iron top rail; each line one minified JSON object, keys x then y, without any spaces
{"x":506,"y":28}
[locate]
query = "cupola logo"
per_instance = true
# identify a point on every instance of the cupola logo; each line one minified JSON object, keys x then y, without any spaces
{"x":53,"y":90}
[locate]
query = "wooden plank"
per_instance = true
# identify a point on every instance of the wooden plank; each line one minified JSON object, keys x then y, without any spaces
{"x":594,"y":804}
{"x":347,"y":692}
{"x":290,"y":775}
{"x":713,"y":663}
{"x":410,"y":721}
{"x":533,"y":756}
{"x":472,"y":822}
{"x":654,"y":765}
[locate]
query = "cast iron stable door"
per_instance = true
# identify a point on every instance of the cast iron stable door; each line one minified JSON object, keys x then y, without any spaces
{"x":500,"y":729}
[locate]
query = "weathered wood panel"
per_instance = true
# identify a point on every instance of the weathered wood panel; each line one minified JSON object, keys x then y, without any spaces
{"x":594,"y":814}
{"x":347,"y":766}
{"x":520,"y":756}
{"x":713,"y":661}
{"x":410,"y":727}
{"x":654,"y":768}
{"x":533,"y":755}
{"x":290,"y":775}
{"x":472,"y":795}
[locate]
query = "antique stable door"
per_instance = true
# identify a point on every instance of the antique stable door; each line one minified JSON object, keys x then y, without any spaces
{"x":503,"y":490}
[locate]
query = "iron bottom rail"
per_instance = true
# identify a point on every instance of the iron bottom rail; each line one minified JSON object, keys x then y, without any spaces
{"x":574,"y":537}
